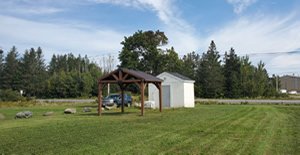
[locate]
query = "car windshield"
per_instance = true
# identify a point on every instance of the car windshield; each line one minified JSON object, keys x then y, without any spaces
{"x":111,"y":96}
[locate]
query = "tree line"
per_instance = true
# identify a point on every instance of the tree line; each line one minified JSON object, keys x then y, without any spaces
{"x":69,"y":76}
{"x":230,"y":77}
{"x":66,"y":76}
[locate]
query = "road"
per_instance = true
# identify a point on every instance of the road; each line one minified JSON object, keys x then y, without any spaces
{"x":232,"y":101}
{"x":67,"y":100}
{"x":254,"y":101}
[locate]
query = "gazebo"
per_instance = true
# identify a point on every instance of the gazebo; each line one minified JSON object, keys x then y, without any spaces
{"x":123,"y":77}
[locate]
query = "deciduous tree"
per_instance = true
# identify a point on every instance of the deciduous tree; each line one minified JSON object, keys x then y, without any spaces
{"x":141,"y":51}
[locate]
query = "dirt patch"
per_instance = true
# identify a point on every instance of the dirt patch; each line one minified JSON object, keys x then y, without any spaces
{"x":2,"y":117}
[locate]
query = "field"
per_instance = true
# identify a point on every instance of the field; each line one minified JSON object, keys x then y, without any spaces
{"x":206,"y":129}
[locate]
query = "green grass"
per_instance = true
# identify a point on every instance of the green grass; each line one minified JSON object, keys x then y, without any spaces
{"x":206,"y":129}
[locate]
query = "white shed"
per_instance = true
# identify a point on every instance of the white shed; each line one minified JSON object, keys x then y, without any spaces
{"x":177,"y":91}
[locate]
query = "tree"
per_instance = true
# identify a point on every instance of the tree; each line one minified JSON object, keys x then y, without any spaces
{"x":261,"y":79}
{"x":33,"y":72}
{"x":41,"y":73}
{"x":77,"y":77}
{"x":209,"y":73}
{"x":11,"y":78}
{"x":141,"y":51}
{"x":247,"y":77}
{"x":96,"y":74}
{"x":232,"y":74}
{"x":52,"y":65}
{"x":190,"y":63}
{"x":271,"y":86}
{"x":1,"y":66}
{"x":171,"y":61}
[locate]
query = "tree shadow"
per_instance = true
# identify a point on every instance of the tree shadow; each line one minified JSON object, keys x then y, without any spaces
{"x":106,"y":113}
{"x":92,"y":106}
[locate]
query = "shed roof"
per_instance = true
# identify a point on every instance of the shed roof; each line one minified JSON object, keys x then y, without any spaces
{"x":143,"y":75}
{"x":180,"y":76}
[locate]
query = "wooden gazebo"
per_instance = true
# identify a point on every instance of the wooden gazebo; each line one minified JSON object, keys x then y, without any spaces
{"x":123,"y":77}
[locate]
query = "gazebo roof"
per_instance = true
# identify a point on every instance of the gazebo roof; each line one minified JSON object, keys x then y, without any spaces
{"x":124,"y":75}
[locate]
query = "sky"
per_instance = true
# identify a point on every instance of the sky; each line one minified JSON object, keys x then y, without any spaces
{"x":267,"y":30}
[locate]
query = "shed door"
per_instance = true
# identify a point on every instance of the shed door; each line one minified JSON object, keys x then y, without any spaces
{"x":166,"y":96}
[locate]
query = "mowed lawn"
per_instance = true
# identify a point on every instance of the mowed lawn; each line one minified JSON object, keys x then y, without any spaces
{"x":206,"y":129}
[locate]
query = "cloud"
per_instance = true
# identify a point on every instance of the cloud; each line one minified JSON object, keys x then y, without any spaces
{"x":240,"y":5}
{"x":68,"y":38}
{"x":58,"y":37}
{"x":263,"y":34}
{"x":181,"y":34}
{"x":29,"y":7}
{"x":259,"y":36}
{"x":163,"y":8}
{"x":40,"y":10}
{"x":285,"y":64}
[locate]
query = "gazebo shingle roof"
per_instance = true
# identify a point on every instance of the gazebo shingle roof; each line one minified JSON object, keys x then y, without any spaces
{"x":132,"y":74}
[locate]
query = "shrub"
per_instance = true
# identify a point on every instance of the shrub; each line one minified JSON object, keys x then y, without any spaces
{"x":10,"y":95}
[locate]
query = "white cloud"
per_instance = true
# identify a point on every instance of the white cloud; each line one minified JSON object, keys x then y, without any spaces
{"x":162,"y":8}
{"x":285,"y":60}
{"x":181,"y":34}
{"x":264,"y":34}
{"x":55,"y":37}
{"x":40,"y":10}
{"x":259,"y":35}
{"x":28,"y":7}
{"x":58,"y":37}
{"x":240,"y":5}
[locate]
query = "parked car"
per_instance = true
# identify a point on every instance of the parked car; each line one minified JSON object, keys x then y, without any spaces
{"x":110,"y":100}
{"x":116,"y":99}
{"x":127,"y":100}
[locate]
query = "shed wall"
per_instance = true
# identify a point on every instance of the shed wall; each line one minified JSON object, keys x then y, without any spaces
{"x":182,"y":94}
{"x":189,"y":95}
{"x":153,"y":94}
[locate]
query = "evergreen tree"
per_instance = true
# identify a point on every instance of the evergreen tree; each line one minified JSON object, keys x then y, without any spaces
{"x":28,"y":72}
{"x":190,"y":64}
{"x":1,"y":67}
{"x":247,"y":78}
{"x":171,"y":61}
{"x":232,"y":74}
{"x":52,"y":65}
{"x":261,"y":79}
{"x":33,"y":72}
{"x":210,"y":73}
{"x":11,"y":78}
{"x":271,"y":86}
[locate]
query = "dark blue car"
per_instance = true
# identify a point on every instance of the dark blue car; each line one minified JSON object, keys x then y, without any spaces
{"x":127,"y":100}
{"x":116,"y":99}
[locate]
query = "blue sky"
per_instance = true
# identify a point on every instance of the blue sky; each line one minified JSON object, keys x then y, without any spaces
{"x":267,"y":30}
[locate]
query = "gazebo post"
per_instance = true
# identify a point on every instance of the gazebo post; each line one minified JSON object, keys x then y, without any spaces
{"x":142,"y":98}
{"x":160,"y":97}
{"x":122,"y":98}
{"x":99,"y":98}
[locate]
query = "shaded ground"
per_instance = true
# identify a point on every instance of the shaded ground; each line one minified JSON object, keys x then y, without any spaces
{"x":250,"y":101}
{"x":206,"y":129}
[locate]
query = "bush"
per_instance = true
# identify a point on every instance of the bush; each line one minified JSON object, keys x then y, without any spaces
{"x":10,"y":95}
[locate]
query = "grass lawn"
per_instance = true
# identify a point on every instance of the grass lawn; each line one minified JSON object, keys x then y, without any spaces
{"x":206,"y":129}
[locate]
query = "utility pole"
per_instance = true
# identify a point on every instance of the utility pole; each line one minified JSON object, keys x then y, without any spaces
{"x":277,"y":83}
